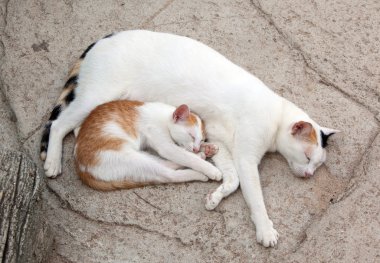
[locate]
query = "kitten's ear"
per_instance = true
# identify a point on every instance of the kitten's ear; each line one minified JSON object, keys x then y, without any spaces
{"x":325,"y":134}
{"x":181,"y":113}
{"x":302,"y":129}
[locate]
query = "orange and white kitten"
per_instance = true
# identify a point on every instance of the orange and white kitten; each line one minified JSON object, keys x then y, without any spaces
{"x":109,"y":149}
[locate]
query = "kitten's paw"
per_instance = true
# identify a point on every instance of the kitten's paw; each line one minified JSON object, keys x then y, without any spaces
{"x":214,"y":174}
{"x":209,"y":149}
{"x":52,"y":168}
{"x":202,"y":155}
{"x":267,"y":236}
{"x":212,"y":200}
{"x":197,"y":176}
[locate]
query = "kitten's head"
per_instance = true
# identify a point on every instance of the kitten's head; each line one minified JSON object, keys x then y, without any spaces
{"x":303,"y":145}
{"x":187,"y":129}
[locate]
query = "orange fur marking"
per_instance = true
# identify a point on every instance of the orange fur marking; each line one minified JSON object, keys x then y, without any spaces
{"x":74,"y":71}
{"x":91,"y":140}
{"x":313,"y":137}
{"x":101,"y":185}
{"x":203,"y":129}
{"x":192,"y":120}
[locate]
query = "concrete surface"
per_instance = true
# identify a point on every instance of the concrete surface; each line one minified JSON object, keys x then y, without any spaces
{"x":322,"y":55}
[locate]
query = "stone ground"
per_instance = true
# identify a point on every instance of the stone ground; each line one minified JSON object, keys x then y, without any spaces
{"x":322,"y":55}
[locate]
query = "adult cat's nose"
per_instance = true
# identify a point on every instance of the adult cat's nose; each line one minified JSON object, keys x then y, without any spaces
{"x":196,"y":149}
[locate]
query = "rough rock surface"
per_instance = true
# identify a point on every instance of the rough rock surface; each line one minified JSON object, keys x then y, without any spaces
{"x":22,"y":227}
{"x":322,"y":55}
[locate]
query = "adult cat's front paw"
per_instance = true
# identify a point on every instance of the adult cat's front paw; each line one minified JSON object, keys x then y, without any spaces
{"x":267,"y":236}
{"x":213,"y":199}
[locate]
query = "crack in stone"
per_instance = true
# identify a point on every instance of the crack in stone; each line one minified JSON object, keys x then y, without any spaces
{"x":155,"y":14}
{"x":67,"y":205}
{"x":198,"y":20}
{"x":146,"y":201}
{"x":31,"y":133}
{"x":352,"y":183}
{"x":9,"y":231}
{"x":305,"y":58}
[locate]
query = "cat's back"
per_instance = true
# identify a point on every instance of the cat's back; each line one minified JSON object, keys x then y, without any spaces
{"x":108,"y":127}
{"x":123,"y":112}
{"x":158,"y":54}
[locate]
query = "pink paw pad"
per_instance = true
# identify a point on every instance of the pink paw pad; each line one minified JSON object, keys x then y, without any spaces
{"x":209,"y":149}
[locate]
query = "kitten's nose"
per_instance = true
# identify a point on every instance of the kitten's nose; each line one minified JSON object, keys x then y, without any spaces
{"x":308,"y":174}
{"x":195,"y":149}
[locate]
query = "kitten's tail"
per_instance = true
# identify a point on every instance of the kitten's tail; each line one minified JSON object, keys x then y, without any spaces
{"x":67,"y":96}
{"x":101,"y":185}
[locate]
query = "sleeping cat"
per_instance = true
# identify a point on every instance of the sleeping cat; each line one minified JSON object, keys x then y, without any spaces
{"x":244,"y":117}
{"x":108,"y":150}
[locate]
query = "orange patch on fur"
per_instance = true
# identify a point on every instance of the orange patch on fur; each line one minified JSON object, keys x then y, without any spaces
{"x":313,"y":137}
{"x":101,"y":185}
{"x":203,"y":129}
{"x":192,"y":120}
{"x":91,"y":139}
{"x":74,"y":71}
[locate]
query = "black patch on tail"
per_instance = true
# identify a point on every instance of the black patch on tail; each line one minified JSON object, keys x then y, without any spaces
{"x":71,"y":81}
{"x":92,"y":45}
{"x":70,"y":97}
{"x":324,"y":139}
{"x":45,"y":138}
{"x":55,"y":113}
{"x":109,"y":35}
{"x":87,"y":49}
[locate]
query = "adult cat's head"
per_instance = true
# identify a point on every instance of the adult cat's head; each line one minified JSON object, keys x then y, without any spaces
{"x":187,"y":129}
{"x":302,"y":142}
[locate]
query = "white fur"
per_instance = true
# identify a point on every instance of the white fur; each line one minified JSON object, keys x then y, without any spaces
{"x":155,"y":128}
{"x":242,"y":115}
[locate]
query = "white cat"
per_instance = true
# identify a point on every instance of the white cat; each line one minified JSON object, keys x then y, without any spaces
{"x":243,"y":117}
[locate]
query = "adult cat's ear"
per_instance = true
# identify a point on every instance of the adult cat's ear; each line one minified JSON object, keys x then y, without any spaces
{"x":303,"y":130}
{"x":181,"y":113}
{"x":325,"y":134}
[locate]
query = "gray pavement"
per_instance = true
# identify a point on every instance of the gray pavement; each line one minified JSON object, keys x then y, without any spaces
{"x":322,"y":55}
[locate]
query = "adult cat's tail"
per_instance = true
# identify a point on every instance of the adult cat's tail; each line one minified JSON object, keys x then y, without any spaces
{"x":67,"y":96}
{"x":101,"y":185}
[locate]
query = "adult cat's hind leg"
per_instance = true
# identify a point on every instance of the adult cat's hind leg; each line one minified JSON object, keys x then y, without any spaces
{"x":224,"y":162}
{"x":70,"y":118}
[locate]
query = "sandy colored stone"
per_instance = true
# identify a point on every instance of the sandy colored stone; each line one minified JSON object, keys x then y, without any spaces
{"x":23,"y":228}
{"x":296,"y":48}
{"x":337,"y":39}
{"x":350,"y":229}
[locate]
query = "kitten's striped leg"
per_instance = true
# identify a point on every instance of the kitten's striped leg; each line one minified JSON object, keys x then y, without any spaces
{"x":223,"y":160}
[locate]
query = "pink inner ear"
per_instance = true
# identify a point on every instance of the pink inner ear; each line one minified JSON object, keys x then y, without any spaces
{"x":302,"y":128}
{"x":181,"y":113}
